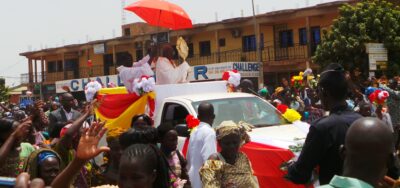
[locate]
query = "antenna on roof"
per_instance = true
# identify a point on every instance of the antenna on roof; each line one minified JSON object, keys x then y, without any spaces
{"x":216,"y":16}
{"x":113,"y":33}
{"x":257,"y":9}
{"x":87,"y":38}
{"x":123,"y":15}
{"x":241,"y":13}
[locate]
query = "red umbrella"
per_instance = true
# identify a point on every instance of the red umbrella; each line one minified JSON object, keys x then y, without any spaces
{"x":161,"y":13}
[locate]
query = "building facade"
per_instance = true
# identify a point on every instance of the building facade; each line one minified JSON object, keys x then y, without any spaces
{"x":288,"y":39}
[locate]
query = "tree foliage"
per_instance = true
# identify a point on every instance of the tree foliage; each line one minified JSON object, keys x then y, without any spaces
{"x":4,"y":93}
{"x":365,"y":22}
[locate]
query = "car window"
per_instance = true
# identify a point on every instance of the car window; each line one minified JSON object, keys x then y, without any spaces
{"x":174,"y":113}
{"x":252,"y":110}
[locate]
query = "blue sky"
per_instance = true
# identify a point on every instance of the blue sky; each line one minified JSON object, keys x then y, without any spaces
{"x":36,"y":24}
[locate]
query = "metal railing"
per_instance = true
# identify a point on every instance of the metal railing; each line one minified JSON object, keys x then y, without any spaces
{"x":269,"y":54}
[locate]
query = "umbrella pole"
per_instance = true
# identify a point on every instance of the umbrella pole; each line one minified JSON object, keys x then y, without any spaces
{"x":158,"y":31}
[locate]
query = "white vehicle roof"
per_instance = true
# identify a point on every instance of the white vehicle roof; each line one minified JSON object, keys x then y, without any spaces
{"x":210,"y":96}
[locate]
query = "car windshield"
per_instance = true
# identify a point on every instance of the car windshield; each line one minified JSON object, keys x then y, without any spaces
{"x":252,"y":110}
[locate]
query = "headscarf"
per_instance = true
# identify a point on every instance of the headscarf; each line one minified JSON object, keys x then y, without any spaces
{"x":36,"y":158}
{"x":279,"y":90}
{"x":229,"y":127}
{"x":114,"y":133}
{"x":45,"y":155}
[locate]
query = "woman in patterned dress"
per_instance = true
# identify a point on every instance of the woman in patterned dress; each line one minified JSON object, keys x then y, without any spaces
{"x":229,"y":168}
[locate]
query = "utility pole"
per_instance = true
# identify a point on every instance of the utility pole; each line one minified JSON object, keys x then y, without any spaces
{"x":258,"y":47}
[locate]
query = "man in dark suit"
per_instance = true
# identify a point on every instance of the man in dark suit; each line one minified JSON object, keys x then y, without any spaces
{"x":62,"y":116}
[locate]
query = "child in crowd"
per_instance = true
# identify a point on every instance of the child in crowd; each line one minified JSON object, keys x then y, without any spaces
{"x":177,"y":163}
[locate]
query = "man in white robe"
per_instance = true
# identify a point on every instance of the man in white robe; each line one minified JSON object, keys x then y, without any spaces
{"x":202,"y":143}
{"x":167,"y":72}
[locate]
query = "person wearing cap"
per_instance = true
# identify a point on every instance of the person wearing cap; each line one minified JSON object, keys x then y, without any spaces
{"x":229,"y":167}
{"x":326,"y":134}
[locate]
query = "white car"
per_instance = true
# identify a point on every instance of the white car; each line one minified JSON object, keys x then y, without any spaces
{"x":272,"y":141}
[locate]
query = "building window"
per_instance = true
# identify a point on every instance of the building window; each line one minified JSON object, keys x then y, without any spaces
{"x":286,"y":38}
{"x":73,"y":66}
{"x":176,"y":53}
{"x":191,"y":50}
{"x":262,"y":41}
{"x":303,"y":36}
{"x":249,"y":43}
{"x":127,"y":32}
{"x":221,"y":42}
{"x":205,"y":48}
{"x":51,"y":66}
{"x":316,"y":35}
{"x":108,"y":62}
{"x":60,"y":66}
{"x":124,"y":58}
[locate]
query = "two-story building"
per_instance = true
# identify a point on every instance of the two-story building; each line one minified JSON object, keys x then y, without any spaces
{"x":288,"y":39}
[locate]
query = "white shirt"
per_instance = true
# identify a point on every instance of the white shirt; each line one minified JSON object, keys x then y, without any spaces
{"x":166,"y":73}
{"x":68,"y":115}
{"x":202,"y":144}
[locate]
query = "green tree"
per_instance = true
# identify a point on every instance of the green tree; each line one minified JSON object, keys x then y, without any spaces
{"x":367,"y":21}
{"x":4,"y":93}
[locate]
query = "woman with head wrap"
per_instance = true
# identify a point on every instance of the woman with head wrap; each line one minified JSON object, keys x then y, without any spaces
{"x":229,"y":167}
{"x":44,"y":164}
{"x":14,"y":150}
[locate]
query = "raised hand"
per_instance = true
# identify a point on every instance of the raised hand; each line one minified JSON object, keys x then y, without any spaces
{"x":23,"y":181}
{"x":90,"y":107}
{"x":88,"y":144}
{"x":22,"y":130}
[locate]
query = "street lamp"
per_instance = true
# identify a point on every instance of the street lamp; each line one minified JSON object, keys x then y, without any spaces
{"x":258,"y":47}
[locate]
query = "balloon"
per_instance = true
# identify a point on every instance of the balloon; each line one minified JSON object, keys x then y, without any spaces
{"x":306,"y":115}
{"x":370,"y":90}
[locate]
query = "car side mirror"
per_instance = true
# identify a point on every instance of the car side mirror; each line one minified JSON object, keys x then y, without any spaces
{"x":182,"y":130}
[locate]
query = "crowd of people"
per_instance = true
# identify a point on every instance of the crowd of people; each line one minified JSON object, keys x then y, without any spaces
{"x":352,"y":138}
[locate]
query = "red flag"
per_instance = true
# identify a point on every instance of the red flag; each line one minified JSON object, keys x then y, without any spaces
{"x":89,"y":62}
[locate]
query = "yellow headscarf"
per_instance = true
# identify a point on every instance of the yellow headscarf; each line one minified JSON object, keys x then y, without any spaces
{"x":229,"y":127}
